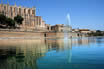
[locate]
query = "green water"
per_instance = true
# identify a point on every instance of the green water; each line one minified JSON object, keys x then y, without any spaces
{"x":77,"y":53}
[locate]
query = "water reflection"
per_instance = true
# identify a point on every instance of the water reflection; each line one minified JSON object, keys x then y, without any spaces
{"x":23,"y":54}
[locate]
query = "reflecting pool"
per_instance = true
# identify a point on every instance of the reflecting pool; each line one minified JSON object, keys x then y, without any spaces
{"x":76,"y":53}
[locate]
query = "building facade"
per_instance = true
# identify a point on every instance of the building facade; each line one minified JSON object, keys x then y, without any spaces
{"x":30,"y":22}
{"x":61,"y":28}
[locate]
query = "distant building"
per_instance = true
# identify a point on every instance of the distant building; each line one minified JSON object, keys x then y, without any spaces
{"x":60,"y":28}
{"x":85,"y":31}
{"x":94,"y":31}
{"x":75,"y":30}
{"x":48,"y":27}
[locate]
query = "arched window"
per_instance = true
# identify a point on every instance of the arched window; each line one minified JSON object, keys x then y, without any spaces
{"x":29,"y":11}
{"x":19,"y":10}
{"x":24,"y":10}
{"x":33,"y":11}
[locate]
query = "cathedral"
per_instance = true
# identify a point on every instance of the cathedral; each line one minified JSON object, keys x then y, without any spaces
{"x":31,"y":22}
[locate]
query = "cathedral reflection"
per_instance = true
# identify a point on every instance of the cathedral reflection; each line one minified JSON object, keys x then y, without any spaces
{"x":23,"y":54}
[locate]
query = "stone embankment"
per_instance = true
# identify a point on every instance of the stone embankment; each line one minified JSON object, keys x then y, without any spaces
{"x":33,"y":35}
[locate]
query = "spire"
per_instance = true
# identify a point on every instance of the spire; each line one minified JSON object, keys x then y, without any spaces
{"x":7,"y":2}
{"x":15,"y":3}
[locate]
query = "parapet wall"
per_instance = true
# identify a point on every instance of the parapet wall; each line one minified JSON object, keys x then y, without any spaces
{"x":7,"y":34}
{"x":60,"y":35}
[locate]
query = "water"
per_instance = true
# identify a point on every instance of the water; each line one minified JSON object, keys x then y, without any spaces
{"x":77,"y":53}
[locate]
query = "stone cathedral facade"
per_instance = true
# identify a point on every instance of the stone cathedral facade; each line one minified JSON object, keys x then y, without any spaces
{"x":31,"y":21}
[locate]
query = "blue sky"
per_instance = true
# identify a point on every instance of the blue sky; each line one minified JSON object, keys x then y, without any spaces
{"x":84,"y":13}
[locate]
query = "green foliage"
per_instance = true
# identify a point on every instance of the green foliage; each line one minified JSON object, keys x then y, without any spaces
{"x":97,"y":33}
{"x":18,"y":19}
{"x":2,"y":19}
{"x":10,"y":23}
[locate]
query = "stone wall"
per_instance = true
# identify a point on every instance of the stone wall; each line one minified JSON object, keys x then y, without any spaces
{"x":7,"y":35}
{"x":59,"y":35}
{"x":32,"y":35}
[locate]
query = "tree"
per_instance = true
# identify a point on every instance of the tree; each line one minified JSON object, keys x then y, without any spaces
{"x":6,"y":22}
{"x":2,"y":19}
{"x":10,"y":22}
{"x":18,"y":19}
{"x":99,"y":33}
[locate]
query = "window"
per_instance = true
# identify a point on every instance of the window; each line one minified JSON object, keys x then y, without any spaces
{"x":20,"y":10}
{"x":24,"y":10}
{"x":4,"y":7}
{"x":29,"y":11}
{"x":10,"y":8}
{"x":61,"y":30}
{"x":33,"y":11}
{"x":14,"y":9}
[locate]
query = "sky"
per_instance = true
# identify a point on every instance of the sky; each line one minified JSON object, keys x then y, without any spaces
{"x":83,"y":13}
